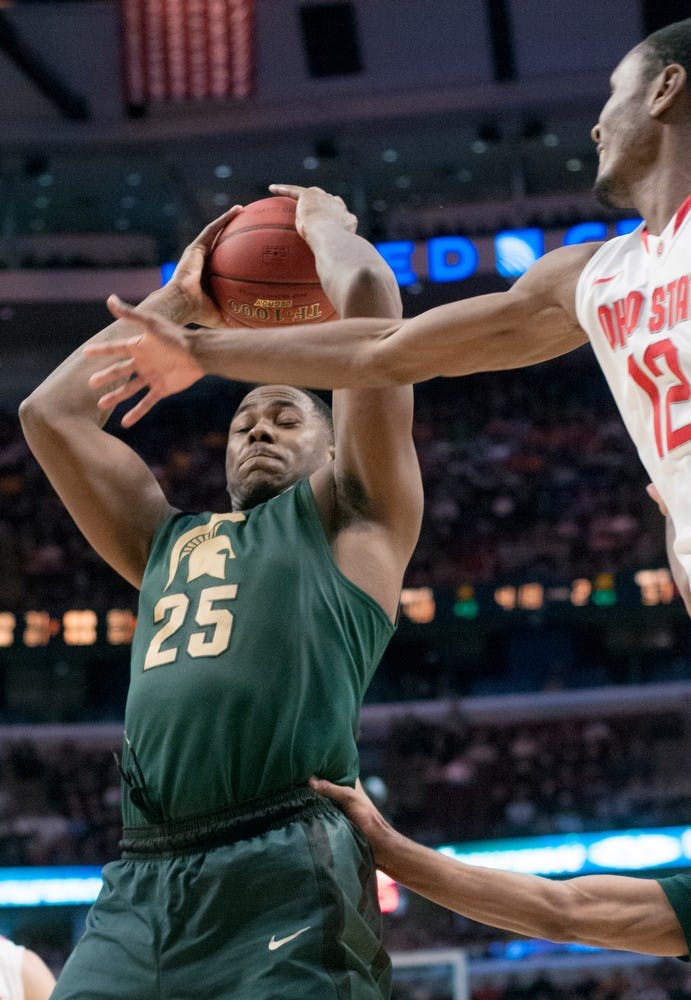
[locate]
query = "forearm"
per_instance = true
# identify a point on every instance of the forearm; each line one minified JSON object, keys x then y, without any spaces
{"x":524,"y":904}
{"x":356,"y":278}
{"x":65,"y":394}
{"x":488,"y":333}
{"x":606,"y":911}
{"x":345,"y":354}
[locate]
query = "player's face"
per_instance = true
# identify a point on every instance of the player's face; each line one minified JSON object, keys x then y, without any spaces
{"x":275,"y":438}
{"x":625,"y":134}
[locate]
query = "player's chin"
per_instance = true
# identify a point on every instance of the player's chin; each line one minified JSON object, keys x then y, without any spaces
{"x":258,"y":485}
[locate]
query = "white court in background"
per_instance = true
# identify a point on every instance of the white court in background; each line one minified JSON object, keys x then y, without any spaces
{"x":443,"y":971}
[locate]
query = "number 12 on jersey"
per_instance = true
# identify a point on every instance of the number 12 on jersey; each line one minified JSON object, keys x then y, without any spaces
{"x":647,"y":377}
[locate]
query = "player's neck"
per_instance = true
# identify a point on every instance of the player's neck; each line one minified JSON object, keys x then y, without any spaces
{"x":658,"y":196}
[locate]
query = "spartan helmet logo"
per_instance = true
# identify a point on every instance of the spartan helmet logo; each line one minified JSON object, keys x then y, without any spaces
{"x":207,"y":557}
{"x":205,"y":550}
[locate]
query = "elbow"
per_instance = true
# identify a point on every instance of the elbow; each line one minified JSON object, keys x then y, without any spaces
{"x":373,"y":291}
{"x":37,"y":419}
{"x":31,"y":412}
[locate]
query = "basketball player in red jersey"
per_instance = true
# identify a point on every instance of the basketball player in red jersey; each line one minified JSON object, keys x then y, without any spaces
{"x":629,"y":296}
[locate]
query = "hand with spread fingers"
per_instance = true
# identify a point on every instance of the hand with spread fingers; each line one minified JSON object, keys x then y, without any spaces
{"x":157,"y":357}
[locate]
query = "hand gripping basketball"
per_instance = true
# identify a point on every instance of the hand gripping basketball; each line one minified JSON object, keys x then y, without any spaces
{"x":262,"y":273}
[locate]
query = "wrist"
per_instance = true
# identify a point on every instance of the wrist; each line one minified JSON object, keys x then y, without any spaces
{"x":200,"y":344}
{"x":318,"y":228}
{"x":170,"y":302}
{"x":386,"y":844}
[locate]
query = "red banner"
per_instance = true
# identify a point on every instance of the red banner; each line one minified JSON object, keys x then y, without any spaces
{"x":187,"y":50}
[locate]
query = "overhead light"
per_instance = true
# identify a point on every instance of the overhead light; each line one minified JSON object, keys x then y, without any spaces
{"x":550,"y":139}
{"x":478,"y":146}
{"x":45,"y":180}
{"x":310,"y":163}
{"x":389,"y":156}
{"x":221,"y":198}
{"x":223,"y":171}
{"x":134,"y":179}
{"x":403,"y":182}
{"x":574,"y":165}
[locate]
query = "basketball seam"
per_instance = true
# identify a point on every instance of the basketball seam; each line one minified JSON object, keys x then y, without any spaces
{"x":287,"y":283}
{"x":254,"y":229}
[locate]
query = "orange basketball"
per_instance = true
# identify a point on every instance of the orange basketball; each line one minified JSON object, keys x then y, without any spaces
{"x":262,"y":273}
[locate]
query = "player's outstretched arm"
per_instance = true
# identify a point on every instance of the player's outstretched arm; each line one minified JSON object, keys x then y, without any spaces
{"x":111,"y":494}
{"x":534,"y":321}
{"x":606,"y":911}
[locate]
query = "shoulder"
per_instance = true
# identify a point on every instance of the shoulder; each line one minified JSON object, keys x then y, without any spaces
{"x":557,"y":270}
{"x":552,"y":280}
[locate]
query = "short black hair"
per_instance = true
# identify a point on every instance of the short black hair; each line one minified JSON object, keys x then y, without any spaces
{"x":671,"y":44}
{"x":322,"y":409}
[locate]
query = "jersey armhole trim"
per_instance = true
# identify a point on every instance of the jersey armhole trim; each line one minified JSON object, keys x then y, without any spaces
{"x":677,"y":888}
{"x":305,"y":497}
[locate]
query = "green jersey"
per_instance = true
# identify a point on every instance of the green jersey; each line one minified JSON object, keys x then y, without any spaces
{"x":678,"y":891}
{"x":250,"y":660}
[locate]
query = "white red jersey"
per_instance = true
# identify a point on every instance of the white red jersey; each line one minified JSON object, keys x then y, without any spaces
{"x":633,"y":301}
{"x":11,"y":956}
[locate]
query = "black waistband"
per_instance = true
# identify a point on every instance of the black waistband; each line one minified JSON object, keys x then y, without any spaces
{"x":202,"y":833}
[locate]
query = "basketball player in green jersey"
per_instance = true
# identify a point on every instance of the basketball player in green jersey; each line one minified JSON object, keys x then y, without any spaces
{"x":258,"y":632}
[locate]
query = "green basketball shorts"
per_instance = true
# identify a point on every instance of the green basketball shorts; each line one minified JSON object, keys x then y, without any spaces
{"x":276,"y":903}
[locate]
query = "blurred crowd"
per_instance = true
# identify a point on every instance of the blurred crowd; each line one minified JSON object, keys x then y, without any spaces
{"x":524,"y":473}
{"x":529,"y":473}
{"x":59,"y":804}
{"x":455,"y":781}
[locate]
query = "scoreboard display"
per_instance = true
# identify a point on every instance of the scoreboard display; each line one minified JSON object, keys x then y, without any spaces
{"x":37,"y":627}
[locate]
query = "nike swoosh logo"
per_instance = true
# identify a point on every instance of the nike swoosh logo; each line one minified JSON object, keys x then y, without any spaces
{"x":275,"y":942}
